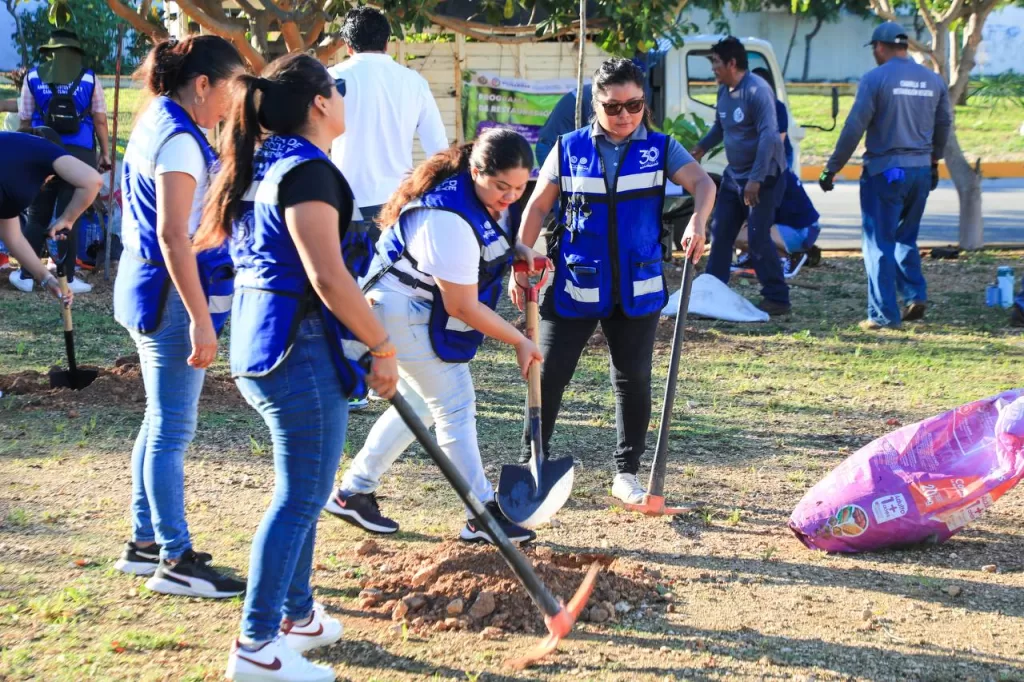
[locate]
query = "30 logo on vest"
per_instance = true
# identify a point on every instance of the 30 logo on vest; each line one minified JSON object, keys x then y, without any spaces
{"x":649,"y":157}
{"x":737,"y":115}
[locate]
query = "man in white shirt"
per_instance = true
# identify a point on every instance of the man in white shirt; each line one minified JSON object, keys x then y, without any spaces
{"x":386,"y":104}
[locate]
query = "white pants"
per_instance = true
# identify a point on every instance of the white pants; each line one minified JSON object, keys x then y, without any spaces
{"x":448,"y":402}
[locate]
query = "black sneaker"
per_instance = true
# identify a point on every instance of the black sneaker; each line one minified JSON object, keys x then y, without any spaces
{"x":361,"y":510}
{"x":137,"y":560}
{"x":474,"y":531}
{"x":191,"y":577}
{"x":914,"y":311}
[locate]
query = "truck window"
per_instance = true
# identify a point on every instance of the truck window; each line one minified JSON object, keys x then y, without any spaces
{"x":700,"y":80}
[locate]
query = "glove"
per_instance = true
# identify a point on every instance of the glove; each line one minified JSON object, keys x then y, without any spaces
{"x":935,"y":176}
{"x":825,"y":180}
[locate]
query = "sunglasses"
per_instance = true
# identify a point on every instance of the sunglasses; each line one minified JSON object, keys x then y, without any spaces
{"x":339,"y":83}
{"x":633,"y":106}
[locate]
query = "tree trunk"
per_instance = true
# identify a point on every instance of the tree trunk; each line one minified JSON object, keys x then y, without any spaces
{"x":968,"y":188}
{"x":807,"y":46}
{"x":792,"y":41}
{"x":12,"y":6}
{"x":955,"y":56}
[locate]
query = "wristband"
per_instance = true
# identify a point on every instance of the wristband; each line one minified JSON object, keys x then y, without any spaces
{"x":387,"y":354}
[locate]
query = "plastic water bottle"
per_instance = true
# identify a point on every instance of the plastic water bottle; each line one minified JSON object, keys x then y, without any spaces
{"x":992,"y":295}
{"x":1004,"y":277}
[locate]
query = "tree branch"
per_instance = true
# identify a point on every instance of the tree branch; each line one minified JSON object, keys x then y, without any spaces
{"x":137,"y":22}
{"x":504,"y":35}
{"x":223,"y":27}
{"x":926,"y":14}
{"x":953,"y":13}
{"x":314,"y":31}
{"x":879,"y":7}
{"x":329,"y":46}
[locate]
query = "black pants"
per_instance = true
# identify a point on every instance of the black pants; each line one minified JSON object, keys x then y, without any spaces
{"x":51,"y":201}
{"x":631,"y":345}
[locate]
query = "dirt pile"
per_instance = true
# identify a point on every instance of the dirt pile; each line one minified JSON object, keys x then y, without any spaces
{"x":118,"y":385}
{"x":456,"y":587}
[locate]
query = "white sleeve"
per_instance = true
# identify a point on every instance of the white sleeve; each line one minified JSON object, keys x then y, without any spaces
{"x":446,"y":248}
{"x":430,"y":126}
{"x":181,"y":154}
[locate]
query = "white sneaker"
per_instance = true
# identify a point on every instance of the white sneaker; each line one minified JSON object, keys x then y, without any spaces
{"x":22,"y":281}
{"x":274,"y":662}
{"x":322,"y":630}
{"x":626,"y":488}
{"x":79,"y":286}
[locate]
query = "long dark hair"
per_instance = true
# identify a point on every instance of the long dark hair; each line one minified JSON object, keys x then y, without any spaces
{"x":278,"y":102}
{"x":620,"y":71}
{"x":173,"y":63}
{"x":495,"y":151}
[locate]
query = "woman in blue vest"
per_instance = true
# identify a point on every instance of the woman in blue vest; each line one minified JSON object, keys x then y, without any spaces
{"x":436,"y":280}
{"x":300,"y":325}
{"x":609,"y":182}
{"x":172,"y":303}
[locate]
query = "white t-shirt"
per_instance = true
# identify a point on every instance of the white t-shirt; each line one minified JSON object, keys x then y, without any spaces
{"x":386,"y":106}
{"x":181,"y":154}
{"x":444,"y":246}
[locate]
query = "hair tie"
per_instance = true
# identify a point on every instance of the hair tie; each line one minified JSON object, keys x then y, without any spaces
{"x":262,"y":83}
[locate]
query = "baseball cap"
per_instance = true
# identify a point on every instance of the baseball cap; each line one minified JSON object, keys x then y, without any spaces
{"x":890,"y":33}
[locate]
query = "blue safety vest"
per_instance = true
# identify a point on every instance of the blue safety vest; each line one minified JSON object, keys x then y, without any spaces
{"x":608,"y":249}
{"x":42,"y":94}
{"x":452,"y":339}
{"x":273,"y":292}
{"x":143,"y":283}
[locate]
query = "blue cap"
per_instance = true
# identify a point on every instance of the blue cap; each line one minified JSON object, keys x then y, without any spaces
{"x":889,"y":33}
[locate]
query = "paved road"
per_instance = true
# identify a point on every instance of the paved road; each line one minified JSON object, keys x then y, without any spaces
{"x":1002,"y":204}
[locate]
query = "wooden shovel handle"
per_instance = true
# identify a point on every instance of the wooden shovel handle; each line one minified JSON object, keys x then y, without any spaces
{"x":533,"y":331}
{"x":65,"y":310}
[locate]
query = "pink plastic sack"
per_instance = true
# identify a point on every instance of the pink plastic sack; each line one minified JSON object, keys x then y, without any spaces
{"x":919,"y":484}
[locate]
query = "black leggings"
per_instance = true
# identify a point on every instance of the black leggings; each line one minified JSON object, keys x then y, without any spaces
{"x":51,"y":201}
{"x":631,"y":346}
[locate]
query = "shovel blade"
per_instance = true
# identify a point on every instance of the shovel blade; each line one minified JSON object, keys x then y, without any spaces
{"x":531,"y":502}
{"x":76,"y":380}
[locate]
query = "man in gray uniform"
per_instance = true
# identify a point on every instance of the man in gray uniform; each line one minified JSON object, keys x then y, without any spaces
{"x":753,"y":183}
{"x":905,"y":109}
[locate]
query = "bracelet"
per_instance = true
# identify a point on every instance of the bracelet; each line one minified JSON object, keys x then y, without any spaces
{"x":388,"y":354}
{"x":386,"y":341}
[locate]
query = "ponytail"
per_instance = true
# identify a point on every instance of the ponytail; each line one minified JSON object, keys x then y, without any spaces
{"x":237,"y":148}
{"x":495,"y":151}
{"x":173,"y":63}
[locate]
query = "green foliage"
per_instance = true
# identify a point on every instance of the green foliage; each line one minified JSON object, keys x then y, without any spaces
{"x":688,"y":130}
{"x":96,"y":27}
{"x":991,"y":91}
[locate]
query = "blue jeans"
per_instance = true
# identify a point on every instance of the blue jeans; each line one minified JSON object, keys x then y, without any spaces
{"x":892,"y":218}
{"x":730,"y":212}
{"x":172,"y":410}
{"x":306,"y":410}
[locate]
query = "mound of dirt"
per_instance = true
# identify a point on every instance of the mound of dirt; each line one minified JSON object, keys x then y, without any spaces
{"x":456,"y":587}
{"x":118,"y":385}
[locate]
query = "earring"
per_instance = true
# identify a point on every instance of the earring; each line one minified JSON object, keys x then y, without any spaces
{"x":200,"y":101}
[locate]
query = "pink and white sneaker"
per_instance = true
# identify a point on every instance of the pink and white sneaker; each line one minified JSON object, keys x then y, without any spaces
{"x":321,"y":630}
{"x":275,"y":661}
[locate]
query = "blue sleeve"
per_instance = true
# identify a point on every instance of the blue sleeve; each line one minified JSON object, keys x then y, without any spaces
{"x":762,"y":106}
{"x":943,"y":124}
{"x":561,"y":121}
{"x":860,"y":116}
{"x":713,"y":138}
{"x":676,"y":157}
{"x":782,"y":116}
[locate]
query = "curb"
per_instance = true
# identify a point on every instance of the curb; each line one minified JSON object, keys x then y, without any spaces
{"x":992,"y":169}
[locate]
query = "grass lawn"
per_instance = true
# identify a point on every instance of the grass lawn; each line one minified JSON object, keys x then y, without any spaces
{"x":763,"y":412}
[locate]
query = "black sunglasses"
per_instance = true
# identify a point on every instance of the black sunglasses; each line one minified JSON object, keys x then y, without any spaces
{"x":339,"y":83}
{"x":633,"y":106}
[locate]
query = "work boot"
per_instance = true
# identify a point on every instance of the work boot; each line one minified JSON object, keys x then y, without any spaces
{"x":914,"y":311}
{"x":774,"y":308}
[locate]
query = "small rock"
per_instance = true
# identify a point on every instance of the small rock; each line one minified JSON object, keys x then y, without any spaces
{"x":401,"y":611}
{"x":414,"y":601}
{"x":395,"y":630}
{"x":483,"y":606}
{"x":441,"y":626}
{"x":451,"y":623}
{"x":605,"y":544}
{"x":671,"y":608}
{"x":544,"y":553}
{"x":765,"y":660}
{"x":623,"y":607}
{"x":390,"y":604}
{"x":867,"y":615}
{"x":384,"y":569}
{"x":492,"y":633}
{"x":368,"y":603}
{"x":133,"y":592}
{"x":990,"y":568}
{"x":417,"y":622}
{"x":366,"y":548}
{"x":700,"y":645}
{"x":73,"y":414}
{"x":555,"y":523}
{"x":455,"y":607}
{"x":584,"y":616}
{"x":954,"y":591}
{"x":499,"y":620}
{"x":425,"y":576}
{"x":598,"y":614}
{"x":371,"y":593}
{"x":664,"y":650}
{"x":609,"y":607}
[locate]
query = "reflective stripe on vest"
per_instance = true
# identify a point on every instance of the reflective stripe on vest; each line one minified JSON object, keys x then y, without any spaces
{"x":608,"y":250}
{"x":274,"y":293}
{"x":143,"y":282}
{"x":452,"y":339}
{"x":42,"y":94}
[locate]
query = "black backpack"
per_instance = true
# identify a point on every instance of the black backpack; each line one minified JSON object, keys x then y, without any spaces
{"x":61,"y":113}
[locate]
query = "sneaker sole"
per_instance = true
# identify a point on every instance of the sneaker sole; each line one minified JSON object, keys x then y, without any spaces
{"x":135,"y":567}
{"x":303,"y":644}
{"x":482,"y":536}
{"x":353,"y":518}
{"x":232,"y":674}
{"x":166,"y":586}
{"x":796,"y":270}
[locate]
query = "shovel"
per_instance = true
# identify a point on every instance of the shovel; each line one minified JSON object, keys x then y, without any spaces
{"x":654,"y":500}
{"x":558,"y":618}
{"x":531,"y":495}
{"x":74,"y":378}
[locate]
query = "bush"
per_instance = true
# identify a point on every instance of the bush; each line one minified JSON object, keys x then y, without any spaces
{"x":96,"y":27}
